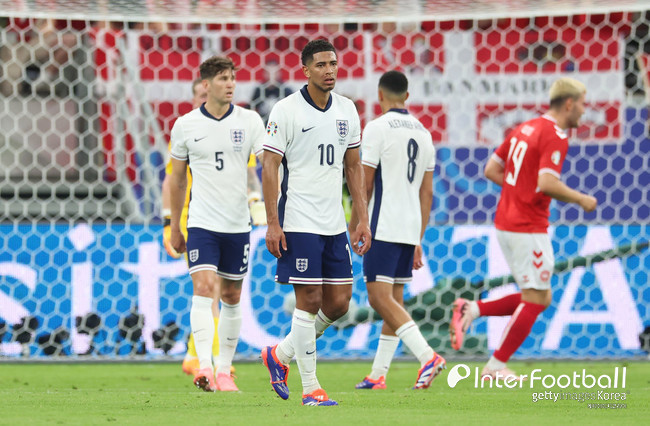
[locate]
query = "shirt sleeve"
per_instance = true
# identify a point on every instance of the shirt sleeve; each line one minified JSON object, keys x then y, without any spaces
{"x":278,"y":130}
{"x":178,"y":149}
{"x":371,"y":146}
{"x":355,"y":129}
{"x":257,"y":131}
{"x":553,"y":153}
{"x":500,"y":155}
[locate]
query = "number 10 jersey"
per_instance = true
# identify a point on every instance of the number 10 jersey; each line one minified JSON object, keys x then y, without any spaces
{"x":313,"y":142}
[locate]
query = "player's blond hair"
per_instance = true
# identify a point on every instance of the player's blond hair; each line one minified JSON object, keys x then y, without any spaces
{"x":565,"y":88}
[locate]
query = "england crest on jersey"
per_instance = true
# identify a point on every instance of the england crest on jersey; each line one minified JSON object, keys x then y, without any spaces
{"x":302,"y":264}
{"x":237,"y":138}
{"x":342,"y":128}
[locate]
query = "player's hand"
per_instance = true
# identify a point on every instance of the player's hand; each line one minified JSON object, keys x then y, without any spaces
{"x":275,"y":240}
{"x":178,"y":241}
{"x":258,"y":212}
{"x":588,"y":203}
{"x":360,"y":239}
{"x":417,"y":258}
{"x":167,"y":242}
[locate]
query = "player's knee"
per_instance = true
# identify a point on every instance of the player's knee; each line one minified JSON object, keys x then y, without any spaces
{"x":231,"y":294}
{"x":204,"y":287}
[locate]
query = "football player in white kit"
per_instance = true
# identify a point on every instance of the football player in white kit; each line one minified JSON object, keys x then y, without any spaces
{"x":314,"y":135}
{"x":398,"y":162}
{"x":216,"y":141}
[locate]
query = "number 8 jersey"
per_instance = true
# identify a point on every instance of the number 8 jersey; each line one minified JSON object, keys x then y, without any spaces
{"x":313,"y":142}
{"x":217,"y":152}
{"x":535,"y":147}
{"x":401,"y":150}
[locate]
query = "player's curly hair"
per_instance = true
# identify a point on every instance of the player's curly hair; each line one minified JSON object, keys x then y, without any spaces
{"x":313,"y":47}
{"x":215,"y":65}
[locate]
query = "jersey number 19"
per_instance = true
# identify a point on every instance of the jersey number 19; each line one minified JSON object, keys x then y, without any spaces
{"x":516,"y":153}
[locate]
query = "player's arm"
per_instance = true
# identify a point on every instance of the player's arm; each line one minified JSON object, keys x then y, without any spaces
{"x":369,"y":176}
{"x":426,"y":200}
{"x":177,"y":189}
{"x":274,"y":235}
{"x":167,"y":213}
{"x":360,"y":236}
{"x":494,"y":171}
{"x":552,"y":186}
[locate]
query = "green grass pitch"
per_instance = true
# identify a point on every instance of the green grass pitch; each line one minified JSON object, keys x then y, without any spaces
{"x":155,"y":393}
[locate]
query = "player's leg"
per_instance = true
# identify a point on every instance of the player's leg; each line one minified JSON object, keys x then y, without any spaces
{"x":387,"y":268}
{"x":532,"y":265}
{"x":191,"y":361}
{"x":300,"y":266}
{"x":466,"y":311}
{"x":233,"y":266}
{"x":203,"y":255}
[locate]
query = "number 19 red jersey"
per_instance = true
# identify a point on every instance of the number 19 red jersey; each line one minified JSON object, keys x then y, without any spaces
{"x":535,"y":147}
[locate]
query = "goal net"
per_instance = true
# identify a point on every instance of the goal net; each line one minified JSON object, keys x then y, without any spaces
{"x":90,"y":90}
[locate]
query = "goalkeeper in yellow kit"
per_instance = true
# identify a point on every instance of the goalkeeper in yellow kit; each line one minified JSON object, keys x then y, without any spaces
{"x":258,"y":216}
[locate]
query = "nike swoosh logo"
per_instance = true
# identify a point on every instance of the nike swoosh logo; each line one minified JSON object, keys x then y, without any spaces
{"x":308,"y":129}
{"x":231,"y":338}
{"x":309,"y":353}
{"x":199,"y":139}
{"x":242,"y":268}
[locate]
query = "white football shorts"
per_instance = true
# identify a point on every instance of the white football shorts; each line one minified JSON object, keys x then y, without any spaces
{"x":530,"y":258}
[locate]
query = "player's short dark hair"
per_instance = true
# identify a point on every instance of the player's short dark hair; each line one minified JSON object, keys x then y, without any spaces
{"x":313,"y":47}
{"x":214,"y":66}
{"x":394,"y":82}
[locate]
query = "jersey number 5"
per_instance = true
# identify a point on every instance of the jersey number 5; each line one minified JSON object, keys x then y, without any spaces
{"x":218,"y":160}
{"x":516,"y":153}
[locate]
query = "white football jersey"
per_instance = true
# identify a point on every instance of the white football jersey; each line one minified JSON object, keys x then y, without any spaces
{"x":313,"y":142}
{"x":217,"y":152}
{"x":401,"y":150}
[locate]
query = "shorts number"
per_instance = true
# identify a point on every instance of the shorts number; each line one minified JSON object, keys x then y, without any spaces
{"x":218,"y":159}
{"x":412,"y":152}
{"x":326,"y":154}
{"x":245,"y":259}
{"x":516,"y":153}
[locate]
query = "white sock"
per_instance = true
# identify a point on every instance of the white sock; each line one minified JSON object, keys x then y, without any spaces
{"x":410,"y":334}
{"x":202,"y":329}
{"x":285,"y":350}
{"x":384,"y":356}
{"x":474,"y":310}
{"x":229,"y":327}
{"x":495,"y":365}
{"x":322,"y":322}
{"x":304,"y":343}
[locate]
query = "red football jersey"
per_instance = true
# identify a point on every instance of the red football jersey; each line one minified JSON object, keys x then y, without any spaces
{"x":535,"y":147}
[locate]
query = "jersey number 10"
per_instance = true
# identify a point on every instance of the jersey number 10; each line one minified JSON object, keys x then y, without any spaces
{"x":516,"y":153}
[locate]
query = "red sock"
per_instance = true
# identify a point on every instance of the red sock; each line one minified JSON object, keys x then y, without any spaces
{"x":499,"y":307}
{"x":518,"y":329}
